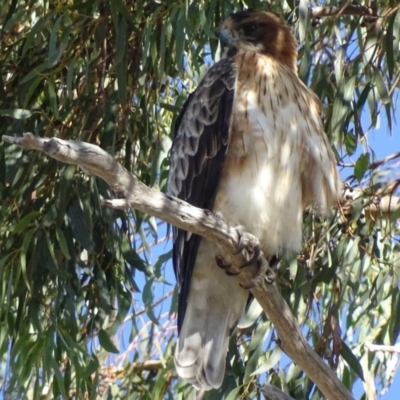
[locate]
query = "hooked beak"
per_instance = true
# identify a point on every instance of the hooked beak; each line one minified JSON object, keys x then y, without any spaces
{"x":225,"y":37}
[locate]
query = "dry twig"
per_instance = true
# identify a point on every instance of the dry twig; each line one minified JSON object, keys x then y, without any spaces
{"x":272,"y":392}
{"x":382,"y":347}
{"x":347,"y":9}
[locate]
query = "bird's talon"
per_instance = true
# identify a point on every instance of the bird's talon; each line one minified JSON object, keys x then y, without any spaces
{"x":220,"y":262}
{"x":254,"y":258}
{"x":226,"y":267}
{"x":247,"y":246}
{"x":232,"y":272}
{"x":249,"y":286}
{"x":269,"y":275}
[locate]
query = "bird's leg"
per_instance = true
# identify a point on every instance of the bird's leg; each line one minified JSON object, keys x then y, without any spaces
{"x":229,"y":270}
{"x":265,"y":272}
{"x":249,"y":247}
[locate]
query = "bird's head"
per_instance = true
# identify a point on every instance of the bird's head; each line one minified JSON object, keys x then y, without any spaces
{"x":260,"y":32}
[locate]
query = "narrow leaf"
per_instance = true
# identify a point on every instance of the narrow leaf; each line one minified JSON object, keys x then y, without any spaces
{"x":106,"y":342}
{"x":352,"y":360}
{"x":16,"y":113}
{"x":361,"y":166}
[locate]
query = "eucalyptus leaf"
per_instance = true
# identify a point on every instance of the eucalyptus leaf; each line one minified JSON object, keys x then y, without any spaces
{"x":106,"y":342}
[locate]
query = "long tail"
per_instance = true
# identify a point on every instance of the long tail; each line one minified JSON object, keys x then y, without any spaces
{"x":215,"y":304}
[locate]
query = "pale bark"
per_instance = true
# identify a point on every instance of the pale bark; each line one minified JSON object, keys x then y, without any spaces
{"x":347,"y":9}
{"x":383,"y":347}
{"x":273,"y":393}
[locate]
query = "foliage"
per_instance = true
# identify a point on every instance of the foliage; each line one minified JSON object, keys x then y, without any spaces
{"x":116,"y":74}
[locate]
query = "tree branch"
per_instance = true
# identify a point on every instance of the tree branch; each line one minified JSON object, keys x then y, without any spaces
{"x":385,"y":160}
{"x":347,"y":9}
{"x":148,"y":365}
{"x":380,"y":205}
{"x":273,"y":393}
{"x":113,"y":372}
{"x":382,"y":347}
{"x":95,"y":161}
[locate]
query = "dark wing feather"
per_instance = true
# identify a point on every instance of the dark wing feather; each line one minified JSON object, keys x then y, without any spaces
{"x":197,"y":157}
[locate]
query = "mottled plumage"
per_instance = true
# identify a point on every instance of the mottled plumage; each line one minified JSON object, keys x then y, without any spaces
{"x":249,"y":143}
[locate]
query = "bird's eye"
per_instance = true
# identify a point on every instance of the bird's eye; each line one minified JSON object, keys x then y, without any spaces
{"x":251,"y":29}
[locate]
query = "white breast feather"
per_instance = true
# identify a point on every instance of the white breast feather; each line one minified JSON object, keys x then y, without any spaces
{"x":286,"y":154}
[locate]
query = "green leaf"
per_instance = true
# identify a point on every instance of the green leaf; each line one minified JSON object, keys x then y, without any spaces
{"x":62,"y":241}
{"x":132,"y":258}
{"x":342,"y":107}
{"x":59,"y":378}
{"x":163,"y":39}
{"x":148,"y":299}
{"x":249,"y":317}
{"x":350,"y":141}
{"x":352,"y":360}
{"x":395,"y":330}
{"x":362,"y":98}
{"x":24,"y":250}
{"x":53,"y":97}
{"x":382,"y":90}
{"x":361,"y":166}
{"x":16,"y":113}
{"x":272,"y":360}
{"x":32,"y":87}
{"x":122,"y":60}
{"x":36,"y":71}
{"x":252,"y":363}
{"x":3,"y":261}
{"x":304,"y":19}
{"x":120,"y":6}
{"x":79,"y":227}
{"x":169,"y":107}
{"x":389,"y":43}
{"x":234,"y":394}
{"x":106,"y":342}
{"x":180,"y":32}
{"x":24,"y":222}
{"x":54,"y":53}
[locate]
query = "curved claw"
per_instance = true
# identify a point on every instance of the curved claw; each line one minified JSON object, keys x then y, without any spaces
{"x":253,"y":280}
{"x":249,"y":286}
{"x":269,"y":276}
{"x":248,"y":246}
{"x":220,"y":262}
{"x":232,"y":272}
{"x":255,"y":257}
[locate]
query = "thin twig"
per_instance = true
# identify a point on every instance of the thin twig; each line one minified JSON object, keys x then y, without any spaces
{"x":152,"y":305}
{"x":347,"y":9}
{"x":382,"y":347}
{"x":385,"y":160}
{"x":272,"y":392}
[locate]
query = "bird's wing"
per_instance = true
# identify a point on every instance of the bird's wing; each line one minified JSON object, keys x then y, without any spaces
{"x":202,"y":134}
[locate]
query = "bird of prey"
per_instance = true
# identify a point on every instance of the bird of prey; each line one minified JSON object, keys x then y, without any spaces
{"x":249,"y":143}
